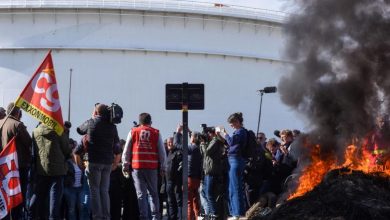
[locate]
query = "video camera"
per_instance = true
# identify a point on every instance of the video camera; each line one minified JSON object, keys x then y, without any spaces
{"x":115,"y":113}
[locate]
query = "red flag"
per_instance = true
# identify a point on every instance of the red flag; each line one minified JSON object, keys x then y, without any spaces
{"x":40,"y":97}
{"x":10,"y":190}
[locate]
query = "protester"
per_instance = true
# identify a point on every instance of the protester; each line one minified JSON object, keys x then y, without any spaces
{"x":174,"y":179}
{"x":129,"y":195}
{"x":194,"y":176}
{"x":261,"y":139}
{"x":52,"y":152}
{"x":143,"y":153}
{"x":116,"y":195}
{"x":194,"y":170}
{"x":284,"y":154}
{"x":236,"y":143}
{"x":73,"y":185}
{"x":10,"y":127}
{"x":102,"y":136}
{"x":81,"y":157}
{"x":272,"y":148}
{"x":286,"y":161}
{"x":162,"y":183}
{"x":214,"y":168}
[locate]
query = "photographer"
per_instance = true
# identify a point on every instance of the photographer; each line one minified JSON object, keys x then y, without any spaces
{"x":102,"y":136}
{"x":237,"y":142}
{"x":214,"y":167}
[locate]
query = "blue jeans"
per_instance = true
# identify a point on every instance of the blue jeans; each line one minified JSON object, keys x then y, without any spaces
{"x":46,"y":185}
{"x":236,"y":186}
{"x":73,"y":199}
{"x":99,"y":184}
{"x":85,"y":203}
{"x":145,"y":181}
{"x":203,"y":197}
{"x":211,"y":189}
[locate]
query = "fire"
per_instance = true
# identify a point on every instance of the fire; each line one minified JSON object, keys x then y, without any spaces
{"x":354,"y":159}
{"x":313,"y":173}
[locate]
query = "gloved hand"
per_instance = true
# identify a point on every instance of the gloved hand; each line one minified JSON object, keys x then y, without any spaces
{"x":126,"y":171}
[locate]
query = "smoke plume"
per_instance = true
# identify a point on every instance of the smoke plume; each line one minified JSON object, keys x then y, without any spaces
{"x":341,"y":73}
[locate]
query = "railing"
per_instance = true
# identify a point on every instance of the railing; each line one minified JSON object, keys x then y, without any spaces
{"x":154,"y":5}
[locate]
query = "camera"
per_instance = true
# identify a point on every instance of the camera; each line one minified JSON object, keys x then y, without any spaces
{"x":205,"y":130}
{"x":114,"y":113}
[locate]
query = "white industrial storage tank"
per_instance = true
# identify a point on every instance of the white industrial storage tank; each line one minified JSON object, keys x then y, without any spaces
{"x":126,"y":51}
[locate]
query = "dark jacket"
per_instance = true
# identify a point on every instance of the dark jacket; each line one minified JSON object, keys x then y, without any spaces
{"x":52,"y":151}
{"x":214,"y":160}
{"x":194,"y":161}
{"x":102,"y":137}
{"x":174,"y":161}
{"x":194,"y":157}
{"x":11,"y":127}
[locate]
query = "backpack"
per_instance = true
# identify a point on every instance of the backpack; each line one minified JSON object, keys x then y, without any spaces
{"x":250,"y":149}
{"x":116,"y":113}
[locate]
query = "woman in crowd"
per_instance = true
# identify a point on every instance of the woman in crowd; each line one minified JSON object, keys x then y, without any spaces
{"x":236,"y":142}
{"x":73,"y":185}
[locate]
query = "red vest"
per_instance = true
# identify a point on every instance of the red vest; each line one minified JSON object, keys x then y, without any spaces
{"x":144,"y":147}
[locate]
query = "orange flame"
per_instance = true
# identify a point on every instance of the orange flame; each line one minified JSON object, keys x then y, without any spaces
{"x":354,"y":159}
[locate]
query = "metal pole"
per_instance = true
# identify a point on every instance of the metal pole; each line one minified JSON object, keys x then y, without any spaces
{"x":261,"y":102}
{"x":185,"y":150}
{"x":70,"y":92}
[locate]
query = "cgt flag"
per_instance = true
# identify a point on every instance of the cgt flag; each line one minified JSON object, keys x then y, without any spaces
{"x":40,"y":97}
{"x":10,"y":190}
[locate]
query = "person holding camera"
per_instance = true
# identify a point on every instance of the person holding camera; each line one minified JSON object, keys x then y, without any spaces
{"x":214,"y":167}
{"x":236,"y":144}
{"x":102,"y":136}
{"x":144,"y":151}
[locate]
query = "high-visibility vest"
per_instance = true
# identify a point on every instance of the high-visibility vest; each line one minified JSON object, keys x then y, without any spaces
{"x":144,"y":147}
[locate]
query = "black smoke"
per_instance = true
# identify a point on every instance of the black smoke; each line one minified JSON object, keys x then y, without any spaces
{"x":340,"y":78}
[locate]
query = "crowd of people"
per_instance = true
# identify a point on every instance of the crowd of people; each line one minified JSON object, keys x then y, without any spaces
{"x":104,"y":177}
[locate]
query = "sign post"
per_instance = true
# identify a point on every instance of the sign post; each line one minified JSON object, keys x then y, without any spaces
{"x":184,"y":97}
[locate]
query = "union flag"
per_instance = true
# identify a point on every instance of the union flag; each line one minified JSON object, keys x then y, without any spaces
{"x":10,"y":190}
{"x":40,"y":97}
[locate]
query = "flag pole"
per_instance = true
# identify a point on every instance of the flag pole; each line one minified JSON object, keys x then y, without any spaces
{"x":70,"y":91}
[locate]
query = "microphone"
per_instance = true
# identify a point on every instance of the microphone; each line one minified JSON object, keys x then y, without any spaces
{"x":277,"y":133}
{"x":269,"y":89}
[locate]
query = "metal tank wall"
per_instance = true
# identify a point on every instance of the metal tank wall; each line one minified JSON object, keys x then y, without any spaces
{"x":127,"y":57}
